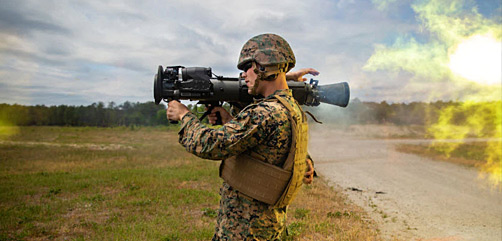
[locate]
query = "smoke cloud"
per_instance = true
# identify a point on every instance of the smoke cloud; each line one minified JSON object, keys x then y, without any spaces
{"x":459,"y":47}
{"x":447,"y":27}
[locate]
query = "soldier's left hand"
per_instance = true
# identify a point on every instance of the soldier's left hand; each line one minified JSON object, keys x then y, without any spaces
{"x":225,"y":116}
{"x":309,"y":173}
{"x":298,"y":75}
{"x":176,"y":110}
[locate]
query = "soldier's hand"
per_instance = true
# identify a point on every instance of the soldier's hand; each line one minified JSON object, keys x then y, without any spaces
{"x":309,"y":173}
{"x":225,"y":116}
{"x":176,"y":110}
{"x":298,"y":75}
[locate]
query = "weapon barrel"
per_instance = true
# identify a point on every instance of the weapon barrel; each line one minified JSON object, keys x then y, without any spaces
{"x":230,"y":90}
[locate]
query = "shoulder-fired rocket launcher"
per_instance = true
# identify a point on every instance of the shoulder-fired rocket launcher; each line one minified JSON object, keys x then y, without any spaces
{"x":199,"y":83}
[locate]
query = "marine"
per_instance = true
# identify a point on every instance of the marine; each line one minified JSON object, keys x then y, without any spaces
{"x":263,"y":148}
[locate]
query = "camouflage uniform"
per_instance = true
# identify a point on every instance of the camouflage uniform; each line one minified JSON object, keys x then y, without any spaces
{"x":263,"y":128}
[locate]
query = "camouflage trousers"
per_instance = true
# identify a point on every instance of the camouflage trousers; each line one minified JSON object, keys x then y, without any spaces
{"x":240,"y":218}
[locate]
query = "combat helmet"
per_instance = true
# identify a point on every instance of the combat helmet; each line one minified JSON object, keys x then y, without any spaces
{"x":268,"y":50}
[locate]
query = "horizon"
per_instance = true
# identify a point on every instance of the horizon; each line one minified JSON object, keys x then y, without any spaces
{"x":187,"y":102}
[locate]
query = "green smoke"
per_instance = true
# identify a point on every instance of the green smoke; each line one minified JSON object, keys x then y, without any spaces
{"x":446,"y":23}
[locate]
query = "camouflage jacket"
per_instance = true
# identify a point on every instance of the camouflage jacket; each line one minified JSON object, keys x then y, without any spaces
{"x":262,"y":127}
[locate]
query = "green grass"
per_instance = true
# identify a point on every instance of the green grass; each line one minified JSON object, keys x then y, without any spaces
{"x":146,"y":188}
{"x":84,"y":183}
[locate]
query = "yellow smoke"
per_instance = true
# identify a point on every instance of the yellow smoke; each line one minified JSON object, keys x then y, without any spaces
{"x":472,"y":119}
{"x":449,"y":26}
{"x":7,"y":130}
{"x":463,"y":49}
{"x":7,"y":126}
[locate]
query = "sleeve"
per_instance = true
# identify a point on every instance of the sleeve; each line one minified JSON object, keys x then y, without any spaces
{"x":238,"y":135}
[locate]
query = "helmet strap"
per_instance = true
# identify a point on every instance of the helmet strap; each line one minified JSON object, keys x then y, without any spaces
{"x":270,"y":72}
{"x":267,"y":73}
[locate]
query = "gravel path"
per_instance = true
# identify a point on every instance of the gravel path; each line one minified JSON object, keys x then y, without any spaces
{"x":412,"y":198}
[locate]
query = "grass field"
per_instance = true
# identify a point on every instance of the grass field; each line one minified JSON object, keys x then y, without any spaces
{"x":68,"y":183}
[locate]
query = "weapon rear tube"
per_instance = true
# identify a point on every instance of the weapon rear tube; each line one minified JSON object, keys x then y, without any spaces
{"x":312,"y":95}
{"x":334,"y":94}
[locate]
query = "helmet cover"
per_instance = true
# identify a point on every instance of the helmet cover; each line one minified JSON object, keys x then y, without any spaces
{"x":267,"y":50}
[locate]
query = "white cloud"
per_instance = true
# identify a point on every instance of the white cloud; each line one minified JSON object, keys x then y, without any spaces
{"x":80,"y":52}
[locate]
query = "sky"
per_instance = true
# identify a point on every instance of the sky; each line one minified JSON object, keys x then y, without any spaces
{"x":83,"y":52}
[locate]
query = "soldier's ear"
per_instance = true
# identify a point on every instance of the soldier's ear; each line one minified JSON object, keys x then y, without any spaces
{"x":261,"y":68}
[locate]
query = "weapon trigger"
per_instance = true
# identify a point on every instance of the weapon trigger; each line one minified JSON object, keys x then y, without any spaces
{"x":210,"y":108}
{"x":208,"y":111}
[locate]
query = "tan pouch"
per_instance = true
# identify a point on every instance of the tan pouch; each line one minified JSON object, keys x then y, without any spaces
{"x":255,"y":178}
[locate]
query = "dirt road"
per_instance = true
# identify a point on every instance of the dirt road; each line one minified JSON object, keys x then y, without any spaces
{"x":412,"y":198}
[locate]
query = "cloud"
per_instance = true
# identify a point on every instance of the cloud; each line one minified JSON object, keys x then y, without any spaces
{"x":92,"y":51}
{"x":13,"y":19}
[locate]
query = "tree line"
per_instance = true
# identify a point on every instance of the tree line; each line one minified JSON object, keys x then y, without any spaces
{"x":361,"y":112}
{"x":97,"y":114}
{"x":149,"y":114}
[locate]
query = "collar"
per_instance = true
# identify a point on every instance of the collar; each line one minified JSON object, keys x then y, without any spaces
{"x":282,"y":92}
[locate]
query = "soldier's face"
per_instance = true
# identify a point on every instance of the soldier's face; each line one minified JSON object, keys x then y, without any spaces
{"x":250,"y":77}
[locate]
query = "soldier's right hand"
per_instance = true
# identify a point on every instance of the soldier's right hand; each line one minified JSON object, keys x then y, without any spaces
{"x":175,"y":110}
{"x":225,"y":116}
